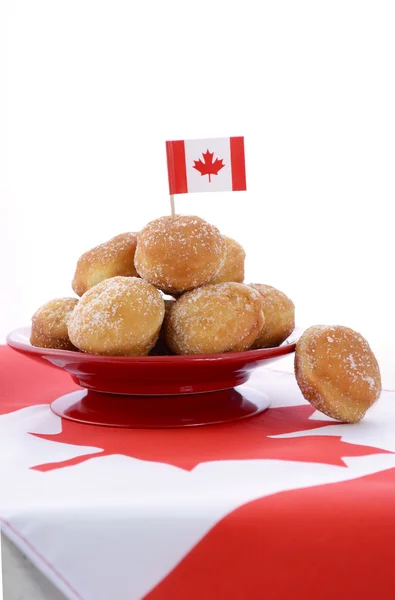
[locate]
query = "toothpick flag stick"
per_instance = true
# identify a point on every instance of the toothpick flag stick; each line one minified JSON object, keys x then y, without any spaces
{"x":173,"y":209}
{"x":221,"y":170}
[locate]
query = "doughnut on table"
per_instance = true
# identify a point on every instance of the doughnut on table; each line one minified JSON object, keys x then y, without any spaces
{"x":285,"y":504}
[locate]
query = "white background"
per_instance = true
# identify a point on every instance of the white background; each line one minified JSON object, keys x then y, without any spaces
{"x":92,"y":89}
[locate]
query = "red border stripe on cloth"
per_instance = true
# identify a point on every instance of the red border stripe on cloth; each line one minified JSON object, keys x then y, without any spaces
{"x":237,"y":160}
{"x":176,"y":167}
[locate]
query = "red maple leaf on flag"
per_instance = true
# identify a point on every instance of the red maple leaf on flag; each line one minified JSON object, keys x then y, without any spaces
{"x":249,"y":439}
{"x":185,"y":447}
{"x":208,"y":166}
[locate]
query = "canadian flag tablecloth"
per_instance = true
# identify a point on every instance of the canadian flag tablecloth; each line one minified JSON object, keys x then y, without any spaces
{"x":284,"y":505}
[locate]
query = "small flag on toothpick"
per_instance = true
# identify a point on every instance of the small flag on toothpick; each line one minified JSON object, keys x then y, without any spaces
{"x":213,"y":165}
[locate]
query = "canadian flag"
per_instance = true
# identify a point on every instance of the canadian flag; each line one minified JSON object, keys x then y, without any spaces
{"x":213,"y":165}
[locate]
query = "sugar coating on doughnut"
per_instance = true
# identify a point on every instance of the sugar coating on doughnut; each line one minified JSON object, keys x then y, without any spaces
{"x":121,"y":316}
{"x":225,"y":317}
{"x":49,"y":324}
{"x":233,"y":266}
{"x":179,"y":255}
{"x":113,"y":258}
{"x":279,"y":313}
{"x":337,"y":372}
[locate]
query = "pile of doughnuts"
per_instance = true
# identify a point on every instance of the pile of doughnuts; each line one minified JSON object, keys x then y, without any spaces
{"x":174,"y":288}
{"x":177,"y":287}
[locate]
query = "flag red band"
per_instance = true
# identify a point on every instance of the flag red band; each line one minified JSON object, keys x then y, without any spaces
{"x":237,"y":160}
{"x":176,"y":167}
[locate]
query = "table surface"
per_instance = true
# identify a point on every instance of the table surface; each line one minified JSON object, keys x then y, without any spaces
{"x":21,"y":579}
{"x":285,"y":504}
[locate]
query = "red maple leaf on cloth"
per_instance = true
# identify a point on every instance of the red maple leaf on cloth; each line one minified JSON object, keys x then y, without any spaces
{"x":185,"y":448}
{"x":208,"y":166}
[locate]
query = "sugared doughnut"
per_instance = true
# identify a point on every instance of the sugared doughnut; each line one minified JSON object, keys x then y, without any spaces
{"x":49,"y":324}
{"x":113,"y":258}
{"x":279,"y":313}
{"x":337,"y":372}
{"x":179,"y":255}
{"x":121,"y":316}
{"x":161,"y":348}
{"x":225,"y":317}
{"x":233,"y":266}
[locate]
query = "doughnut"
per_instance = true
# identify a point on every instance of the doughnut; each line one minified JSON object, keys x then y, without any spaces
{"x":121,"y":316}
{"x":337,"y":372}
{"x":49,"y":324}
{"x":226,"y":317}
{"x":233,"y":266}
{"x":180,"y":255}
{"x":279,"y":313}
{"x":161,"y":348}
{"x":113,"y":258}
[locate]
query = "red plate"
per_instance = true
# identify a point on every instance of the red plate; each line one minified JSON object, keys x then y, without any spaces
{"x":155,"y":391}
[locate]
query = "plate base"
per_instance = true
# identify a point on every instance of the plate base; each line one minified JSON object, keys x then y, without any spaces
{"x":160,"y":412}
